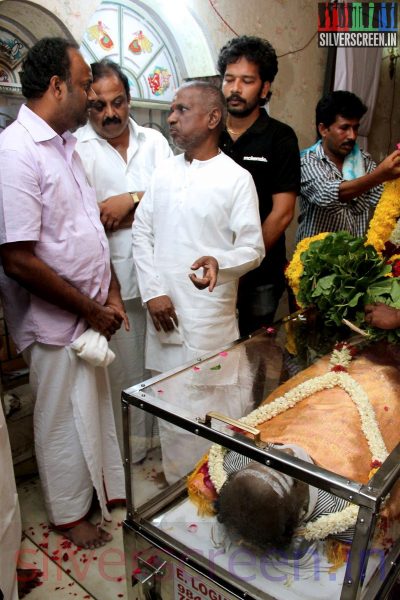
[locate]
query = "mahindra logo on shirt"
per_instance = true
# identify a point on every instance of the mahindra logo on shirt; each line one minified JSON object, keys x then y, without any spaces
{"x":259,"y":158}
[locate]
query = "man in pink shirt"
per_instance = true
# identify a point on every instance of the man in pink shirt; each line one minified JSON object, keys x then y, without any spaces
{"x":56,"y":282}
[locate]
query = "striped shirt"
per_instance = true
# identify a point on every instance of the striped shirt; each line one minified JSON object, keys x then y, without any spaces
{"x":320,"y":207}
{"x":321,"y":503}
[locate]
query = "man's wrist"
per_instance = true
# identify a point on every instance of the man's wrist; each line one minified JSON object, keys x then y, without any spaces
{"x":135,"y":199}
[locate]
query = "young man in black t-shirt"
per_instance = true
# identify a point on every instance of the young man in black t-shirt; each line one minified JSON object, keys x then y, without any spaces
{"x":268,"y":149}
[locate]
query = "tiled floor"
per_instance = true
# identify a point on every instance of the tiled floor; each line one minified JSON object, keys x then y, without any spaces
{"x":69,"y":573}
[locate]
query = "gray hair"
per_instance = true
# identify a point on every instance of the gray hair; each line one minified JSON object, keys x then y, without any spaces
{"x":212,"y":95}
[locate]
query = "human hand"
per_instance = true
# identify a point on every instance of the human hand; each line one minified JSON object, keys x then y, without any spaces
{"x":210,"y":273}
{"x":114,"y":210}
{"x":162,"y":312}
{"x":104,"y":319}
{"x":119,"y":307}
{"x":389,"y":168}
{"x":382,"y":316}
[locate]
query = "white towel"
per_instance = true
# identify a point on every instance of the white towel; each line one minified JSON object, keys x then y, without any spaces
{"x":93,"y":347}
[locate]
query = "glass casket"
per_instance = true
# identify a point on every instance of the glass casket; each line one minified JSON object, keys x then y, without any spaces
{"x":173,"y":552}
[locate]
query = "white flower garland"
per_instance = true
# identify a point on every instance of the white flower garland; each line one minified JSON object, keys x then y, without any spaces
{"x":341,"y":357}
{"x":395,"y":235}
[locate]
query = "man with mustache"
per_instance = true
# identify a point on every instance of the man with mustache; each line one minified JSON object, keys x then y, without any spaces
{"x":119,"y":157}
{"x":268,"y":149}
{"x":340,"y":184}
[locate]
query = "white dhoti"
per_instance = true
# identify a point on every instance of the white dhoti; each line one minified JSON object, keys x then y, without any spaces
{"x":10,"y":520}
{"x":126,"y":370}
{"x":75,"y":439}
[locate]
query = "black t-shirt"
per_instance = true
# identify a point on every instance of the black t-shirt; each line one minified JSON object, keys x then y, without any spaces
{"x":269,"y":151}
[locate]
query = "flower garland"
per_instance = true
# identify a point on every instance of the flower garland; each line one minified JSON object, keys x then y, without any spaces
{"x":294,"y":270}
{"x":384,"y":227}
{"x":384,"y":222}
{"x":395,"y":235}
{"x":337,"y":376}
{"x":394,"y":262}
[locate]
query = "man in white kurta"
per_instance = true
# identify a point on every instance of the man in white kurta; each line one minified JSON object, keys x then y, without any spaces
{"x":119,"y":158}
{"x":200,"y":207}
{"x":192,"y":209}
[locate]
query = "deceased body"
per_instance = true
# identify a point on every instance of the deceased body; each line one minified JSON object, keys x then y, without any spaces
{"x":343,"y":414}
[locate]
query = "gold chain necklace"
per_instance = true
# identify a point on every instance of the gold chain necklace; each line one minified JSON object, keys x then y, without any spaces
{"x":231,"y":132}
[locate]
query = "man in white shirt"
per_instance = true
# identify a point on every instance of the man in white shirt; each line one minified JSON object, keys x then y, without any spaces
{"x":198,"y":204}
{"x":199,"y":212}
{"x":119,"y":157}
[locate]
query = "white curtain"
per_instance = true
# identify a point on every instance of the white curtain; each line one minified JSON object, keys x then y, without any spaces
{"x":358,"y":70}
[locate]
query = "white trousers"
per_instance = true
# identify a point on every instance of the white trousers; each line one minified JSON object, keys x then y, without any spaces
{"x":126,"y":370}
{"x":75,"y":439}
{"x":10,"y":520}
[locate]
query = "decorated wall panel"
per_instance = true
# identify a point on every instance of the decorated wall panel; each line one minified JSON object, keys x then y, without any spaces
{"x":127,"y":35}
{"x":12,"y":51}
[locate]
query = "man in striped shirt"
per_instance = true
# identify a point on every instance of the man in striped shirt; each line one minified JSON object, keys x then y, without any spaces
{"x":340,"y":184}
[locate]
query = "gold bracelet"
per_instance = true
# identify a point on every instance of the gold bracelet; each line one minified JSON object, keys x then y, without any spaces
{"x":135,"y":198}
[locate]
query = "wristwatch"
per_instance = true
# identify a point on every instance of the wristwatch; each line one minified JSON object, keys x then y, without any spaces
{"x":135,"y":198}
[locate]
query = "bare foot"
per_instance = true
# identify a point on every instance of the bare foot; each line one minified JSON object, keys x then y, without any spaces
{"x":86,"y":535}
{"x":27,"y":580}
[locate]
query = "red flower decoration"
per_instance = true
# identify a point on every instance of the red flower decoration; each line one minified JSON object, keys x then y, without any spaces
{"x":396,"y":268}
{"x":390,"y":249}
{"x":338,"y":369}
{"x":340,"y":345}
{"x":235,"y":429}
{"x":375,"y":464}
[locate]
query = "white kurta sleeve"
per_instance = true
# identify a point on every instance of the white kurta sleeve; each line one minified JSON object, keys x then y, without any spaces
{"x":248,"y":245}
{"x":150,"y":281}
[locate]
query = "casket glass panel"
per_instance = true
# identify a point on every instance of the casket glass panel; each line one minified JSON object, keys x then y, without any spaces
{"x":233,"y":381}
